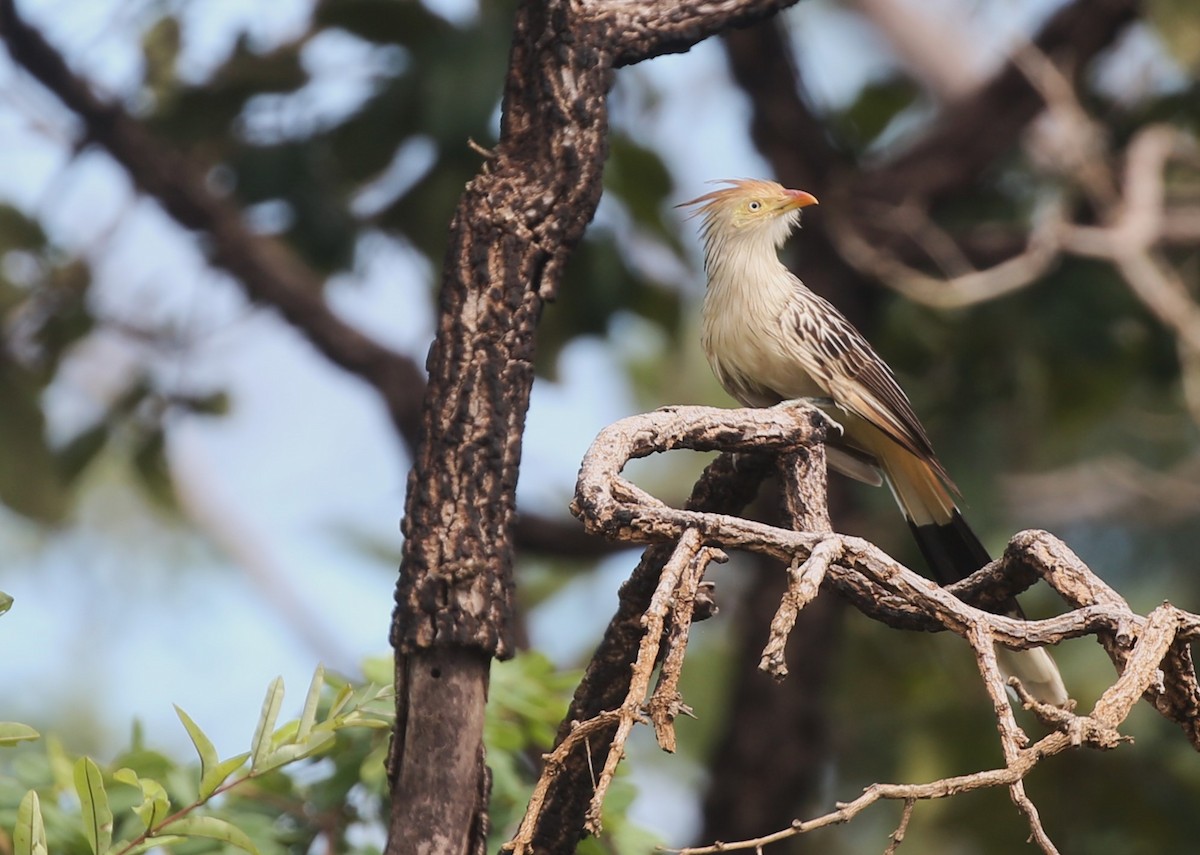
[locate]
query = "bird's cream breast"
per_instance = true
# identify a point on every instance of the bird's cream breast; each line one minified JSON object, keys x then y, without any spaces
{"x":746,"y":335}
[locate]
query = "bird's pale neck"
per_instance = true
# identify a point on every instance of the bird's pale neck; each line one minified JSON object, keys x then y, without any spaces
{"x":747,"y":260}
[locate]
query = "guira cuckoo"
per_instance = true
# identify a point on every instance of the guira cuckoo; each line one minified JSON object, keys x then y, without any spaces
{"x":769,"y":338}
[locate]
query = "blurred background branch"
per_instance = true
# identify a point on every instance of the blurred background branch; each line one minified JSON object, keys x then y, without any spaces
{"x":268,"y":269}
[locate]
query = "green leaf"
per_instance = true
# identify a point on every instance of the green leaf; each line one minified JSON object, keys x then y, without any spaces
{"x":29,"y":835}
{"x":93,"y":800}
{"x":212,"y":404}
{"x":1176,"y":23}
{"x":285,"y":734}
{"x":30,"y":482}
{"x":18,"y":231}
{"x":12,"y":732}
{"x":215,"y":777}
{"x":213,"y":829}
{"x":285,"y":754}
{"x":640,"y":178}
{"x":5,"y":602}
{"x":878,"y":103}
{"x":61,"y":767}
{"x":214,"y":771}
{"x":160,"y":51}
{"x":340,"y":700}
{"x":71,"y":318}
{"x":154,"y":473}
{"x":382,"y":21}
{"x":309,"y":716}
{"x":373,"y":770}
{"x":200,"y":116}
{"x":358,"y":718}
{"x":156,"y":804}
{"x":204,"y":747}
{"x":74,"y":457}
{"x":379,"y":669}
{"x":261,"y":745}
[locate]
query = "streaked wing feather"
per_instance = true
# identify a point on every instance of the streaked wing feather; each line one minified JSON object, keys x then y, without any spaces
{"x":858,"y":379}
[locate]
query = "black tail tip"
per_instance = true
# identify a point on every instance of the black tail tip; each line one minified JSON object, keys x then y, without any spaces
{"x":952,"y":549}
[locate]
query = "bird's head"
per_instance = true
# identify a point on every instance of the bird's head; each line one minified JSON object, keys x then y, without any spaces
{"x":750,"y":210}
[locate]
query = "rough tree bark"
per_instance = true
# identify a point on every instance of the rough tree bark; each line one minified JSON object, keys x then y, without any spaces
{"x":513,"y":229}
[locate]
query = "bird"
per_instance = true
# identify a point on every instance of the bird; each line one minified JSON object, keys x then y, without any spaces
{"x":769,"y":338}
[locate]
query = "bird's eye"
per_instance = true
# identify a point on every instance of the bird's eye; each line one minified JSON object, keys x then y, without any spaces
{"x":754,"y":205}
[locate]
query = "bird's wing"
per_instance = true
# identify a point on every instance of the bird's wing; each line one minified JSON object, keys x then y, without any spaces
{"x":834,"y":353}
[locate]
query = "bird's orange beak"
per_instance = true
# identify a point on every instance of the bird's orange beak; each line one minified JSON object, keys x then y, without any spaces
{"x":799,"y":199}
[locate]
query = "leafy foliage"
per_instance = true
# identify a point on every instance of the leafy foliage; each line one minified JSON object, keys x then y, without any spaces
{"x":319,"y":776}
{"x":144,"y":800}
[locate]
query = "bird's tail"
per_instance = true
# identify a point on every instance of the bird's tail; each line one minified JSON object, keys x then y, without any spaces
{"x":954,"y":552}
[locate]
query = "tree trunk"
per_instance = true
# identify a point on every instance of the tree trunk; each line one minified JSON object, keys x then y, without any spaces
{"x":512,"y":232}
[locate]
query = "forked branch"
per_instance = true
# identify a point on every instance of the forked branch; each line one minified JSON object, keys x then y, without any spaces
{"x":1151,"y":653}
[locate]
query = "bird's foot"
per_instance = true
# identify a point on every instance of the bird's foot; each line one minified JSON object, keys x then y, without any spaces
{"x":819,"y":401}
{"x":823,"y":406}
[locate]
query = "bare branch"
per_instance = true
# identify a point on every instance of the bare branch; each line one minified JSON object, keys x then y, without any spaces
{"x":1040,"y":255}
{"x":1111,"y":487}
{"x":726,"y":486}
{"x":1096,"y":730}
{"x":897,"y":836}
{"x":931,"y":43}
{"x":649,"y":29}
{"x":679,"y":579}
{"x":602,"y":494}
{"x":269,"y":271}
{"x":803,"y":474}
{"x":1133,"y":218}
{"x":954,"y":152}
{"x":666,"y":703}
{"x":675,"y":591}
{"x":1148,"y":652}
{"x":804,"y":582}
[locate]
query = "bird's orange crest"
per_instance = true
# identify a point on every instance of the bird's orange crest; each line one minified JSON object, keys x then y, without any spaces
{"x":739,"y":189}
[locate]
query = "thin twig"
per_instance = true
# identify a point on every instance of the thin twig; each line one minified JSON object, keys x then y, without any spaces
{"x":897,"y":836}
{"x":666,"y":702}
{"x":804,"y":582}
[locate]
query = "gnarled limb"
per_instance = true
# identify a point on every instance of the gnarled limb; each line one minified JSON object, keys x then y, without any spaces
{"x":1149,"y":652}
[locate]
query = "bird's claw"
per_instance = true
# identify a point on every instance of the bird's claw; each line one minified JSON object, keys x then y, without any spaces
{"x":823,"y":405}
